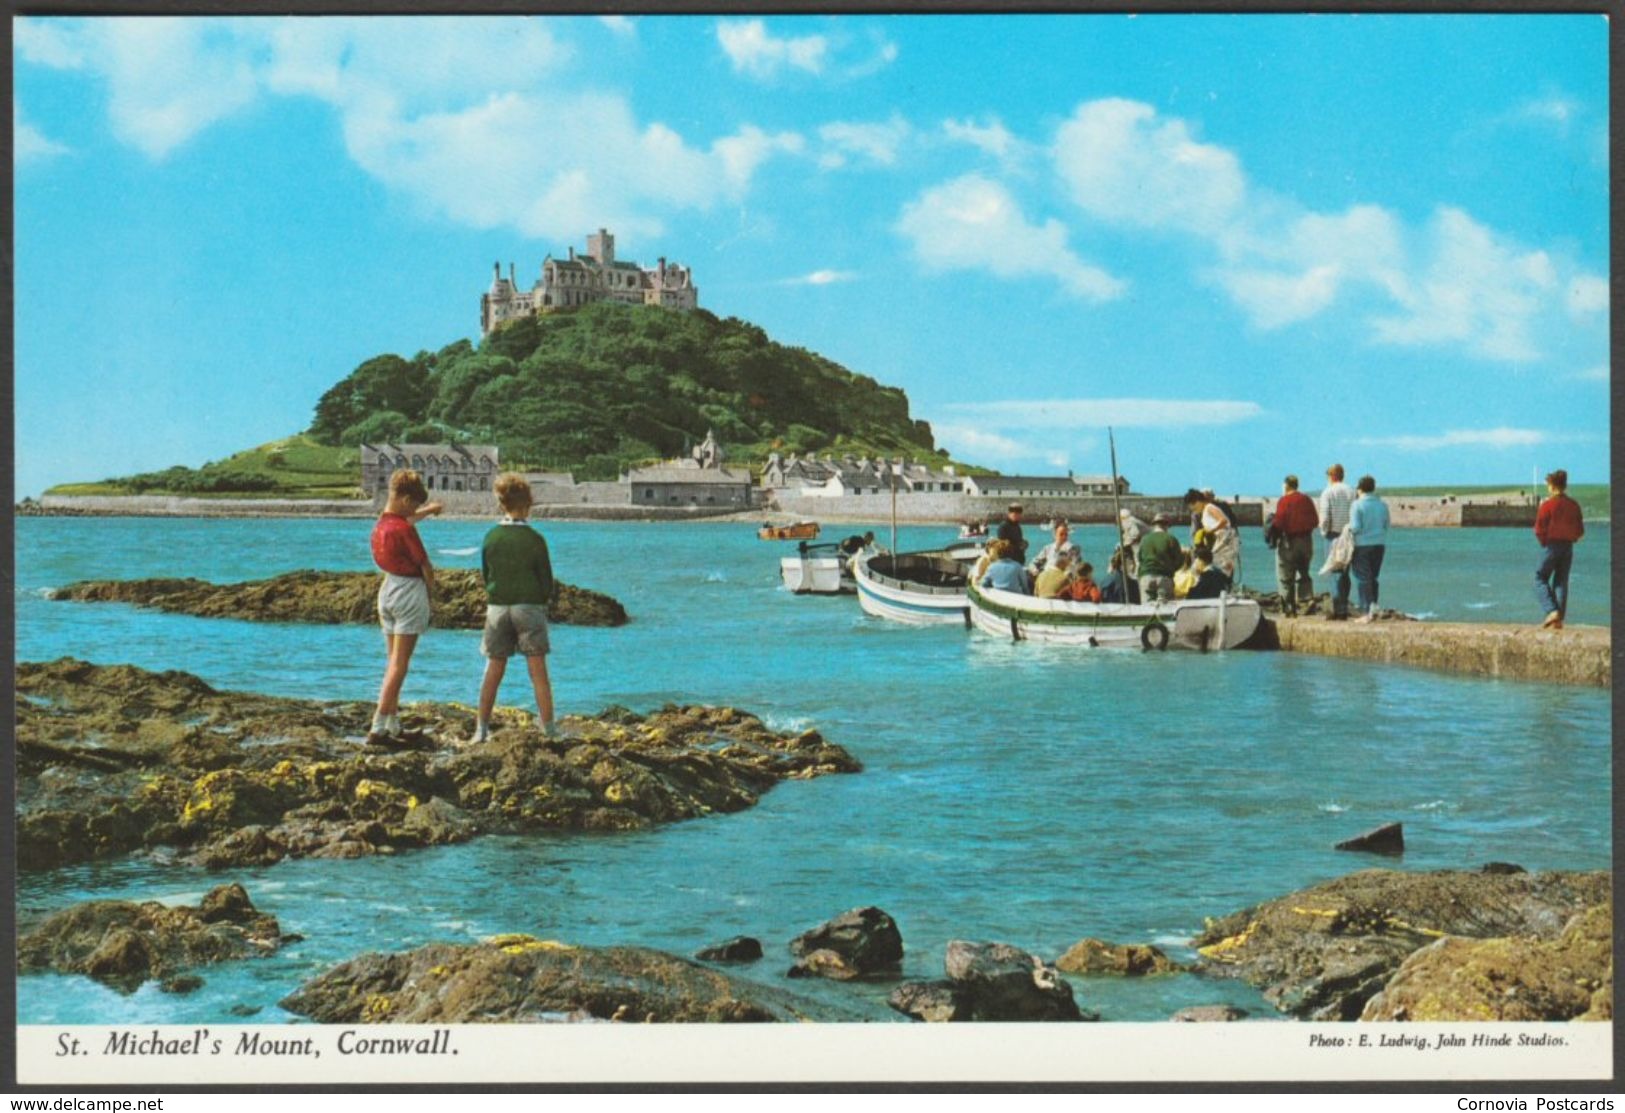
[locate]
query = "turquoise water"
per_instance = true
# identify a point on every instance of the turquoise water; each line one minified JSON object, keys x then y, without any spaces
{"x":1023,"y":793}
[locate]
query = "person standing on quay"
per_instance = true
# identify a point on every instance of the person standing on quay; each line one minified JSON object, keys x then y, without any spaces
{"x":1558,"y":525}
{"x":1295,"y":519}
{"x":1336,"y":501}
{"x":1368,"y":521}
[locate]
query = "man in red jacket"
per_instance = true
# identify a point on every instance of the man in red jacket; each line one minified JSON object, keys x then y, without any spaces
{"x":1295,"y":521}
{"x":1558,"y":526}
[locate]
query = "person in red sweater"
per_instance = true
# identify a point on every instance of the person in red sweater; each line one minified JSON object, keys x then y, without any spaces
{"x":404,"y":596}
{"x":1558,"y":525}
{"x":1295,"y":521}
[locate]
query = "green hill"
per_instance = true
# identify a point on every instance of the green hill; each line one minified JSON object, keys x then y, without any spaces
{"x":606,"y":386}
{"x":592,"y":391}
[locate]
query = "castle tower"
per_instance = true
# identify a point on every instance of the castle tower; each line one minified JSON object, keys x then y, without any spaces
{"x":601,"y":246}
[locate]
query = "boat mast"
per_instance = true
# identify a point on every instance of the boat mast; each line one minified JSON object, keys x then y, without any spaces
{"x":1117,"y":513}
{"x":893,"y":474}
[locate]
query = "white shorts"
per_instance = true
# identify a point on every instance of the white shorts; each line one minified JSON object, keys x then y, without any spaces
{"x":403,"y":604}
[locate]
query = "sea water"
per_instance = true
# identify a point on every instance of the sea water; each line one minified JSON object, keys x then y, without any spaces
{"x":1012,"y":792}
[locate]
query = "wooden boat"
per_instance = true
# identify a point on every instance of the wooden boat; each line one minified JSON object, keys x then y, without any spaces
{"x":921,"y":589}
{"x":973,"y":531}
{"x":797,"y":531}
{"x":1200,"y":624}
{"x":818,"y":570}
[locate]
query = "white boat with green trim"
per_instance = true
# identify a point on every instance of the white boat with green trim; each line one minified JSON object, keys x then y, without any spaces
{"x":1200,"y":624}
{"x":920,"y":589}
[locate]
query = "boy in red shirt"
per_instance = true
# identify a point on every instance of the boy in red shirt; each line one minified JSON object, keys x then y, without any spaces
{"x":1558,"y":526}
{"x":403,"y":598}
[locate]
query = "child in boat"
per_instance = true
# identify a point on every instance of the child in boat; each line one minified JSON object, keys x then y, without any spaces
{"x":519,"y":585}
{"x":1004,"y":572}
{"x":1083,"y":588}
{"x":1211,"y":582}
{"x":405,"y":595}
{"x":1053,"y":581}
{"x":1185,"y":578}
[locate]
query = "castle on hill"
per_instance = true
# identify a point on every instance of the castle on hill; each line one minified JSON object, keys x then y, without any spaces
{"x":595,"y":275}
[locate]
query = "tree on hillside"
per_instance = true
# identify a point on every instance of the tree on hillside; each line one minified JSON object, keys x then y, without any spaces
{"x":383,"y":384}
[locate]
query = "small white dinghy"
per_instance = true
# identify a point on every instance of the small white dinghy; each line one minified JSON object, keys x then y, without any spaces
{"x":920,"y":589}
{"x":1199,"y":624}
{"x":817,"y":570}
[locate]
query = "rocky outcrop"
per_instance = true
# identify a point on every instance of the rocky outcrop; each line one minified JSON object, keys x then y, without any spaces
{"x":518,"y":978}
{"x":741,"y":948}
{"x":332,"y":598}
{"x":112,"y":759}
{"x":1209,"y":1014}
{"x":1321,"y":953}
{"x":1387,"y":839}
{"x":1514,"y":978}
{"x":1096,"y":956}
{"x":861,"y":943}
{"x":990,"y":982}
{"x":124,"y":944}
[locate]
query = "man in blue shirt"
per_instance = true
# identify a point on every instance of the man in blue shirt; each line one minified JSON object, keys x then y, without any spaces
{"x":1368,"y":522}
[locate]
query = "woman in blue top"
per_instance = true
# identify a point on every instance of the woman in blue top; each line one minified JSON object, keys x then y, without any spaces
{"x":1368,"y":522}
{"x":1005,"y":573}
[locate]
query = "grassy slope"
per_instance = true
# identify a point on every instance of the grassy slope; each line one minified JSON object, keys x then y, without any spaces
{"x":307,"y":470}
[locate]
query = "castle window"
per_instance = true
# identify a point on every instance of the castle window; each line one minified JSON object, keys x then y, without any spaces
{"x":417,"y":463}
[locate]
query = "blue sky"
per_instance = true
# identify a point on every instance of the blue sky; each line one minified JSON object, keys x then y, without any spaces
{"x":1251,"y":244}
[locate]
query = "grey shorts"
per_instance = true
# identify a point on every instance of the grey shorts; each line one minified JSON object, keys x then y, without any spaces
{"x":403,"y":604}
{"x":521,"y":626}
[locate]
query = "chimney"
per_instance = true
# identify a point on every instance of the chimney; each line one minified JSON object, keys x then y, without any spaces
{"x":496,"y":272}
{"x":510,"y":273}
{"x":572,"y":254}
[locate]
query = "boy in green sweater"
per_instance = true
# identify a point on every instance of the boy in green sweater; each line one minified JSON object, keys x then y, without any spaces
{"x":518,"y":587}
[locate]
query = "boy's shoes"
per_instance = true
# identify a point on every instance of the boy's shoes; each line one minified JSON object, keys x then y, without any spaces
{"x":550,"y":729}
{"x":1554,"y":620}
{"x":482,"y":733}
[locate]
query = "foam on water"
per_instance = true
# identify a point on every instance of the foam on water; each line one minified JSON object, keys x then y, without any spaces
{"x":470,"y":551}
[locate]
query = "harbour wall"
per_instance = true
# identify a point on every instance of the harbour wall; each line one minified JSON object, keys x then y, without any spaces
{"x":1574,"y":655}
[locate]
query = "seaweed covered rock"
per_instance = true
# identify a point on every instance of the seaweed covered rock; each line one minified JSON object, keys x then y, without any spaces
{"x":1096,"y":956}
{"x":995,"y":981}
{"x":124,"y":944}
{"x":1321,"y":953}
{"x":113,"y":759}
{"x":1509,"y":978}
{"x":517,"y":978}
{"x":856,"y":944}
{"x":331,"y":597}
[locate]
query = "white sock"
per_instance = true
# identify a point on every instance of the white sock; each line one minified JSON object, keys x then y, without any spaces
{"x":482,"y":731}
{"x":380,"y":723}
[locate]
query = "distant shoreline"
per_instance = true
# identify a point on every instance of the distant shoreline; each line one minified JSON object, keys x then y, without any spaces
{"x":1409,"y":511}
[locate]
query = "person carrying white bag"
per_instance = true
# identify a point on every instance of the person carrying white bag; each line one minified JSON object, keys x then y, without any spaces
{"x":1335,"y":504}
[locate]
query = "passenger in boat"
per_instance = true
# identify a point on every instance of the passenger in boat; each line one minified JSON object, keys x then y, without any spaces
{"x":1218,"y":529}
{"x":1004,"y":572}
{"x":1116,"y":587}
{"x":405,"y":595}
{"x":1185,"y":578}
{"x":1159,"y":561}
{"x":1132,"y":530}
{"x":858,"y":542}
{"x":1063,"y":543}
{"x":1083,"y":588}
{"x":1368,"y":522}
{"x":1052,"y":582}
{"x":1010,"y":530}
{"x":1211,"y":580}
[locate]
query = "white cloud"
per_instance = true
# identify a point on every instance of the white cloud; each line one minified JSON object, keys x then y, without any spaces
{"x":1555,"y":110}
{"x":1587,"y":294}
{"x":1499,"y":438}
{"x":1067,"y":413}
{"x":49,"y":42}
{"x":756,"y":52}
{"x":1123,"y":164}
{"x":973,"y":223}
{"x":822,"y":278}
{"x":967,"y":440}
{"x":1598,"y":374}
{"x":876,"y":143}
{"x":620,"y":24}
{"x":991,"y":138}
{"x":28,"y":144}
{"x":1274,"y":299}
{"x":1476,"y":290}
{"x":462,"y":114}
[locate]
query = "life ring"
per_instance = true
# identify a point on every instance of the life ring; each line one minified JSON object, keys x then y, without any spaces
{"x":1154,"y":635}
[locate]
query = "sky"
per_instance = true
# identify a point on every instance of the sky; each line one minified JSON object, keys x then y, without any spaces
{"x":1249,"y":244}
